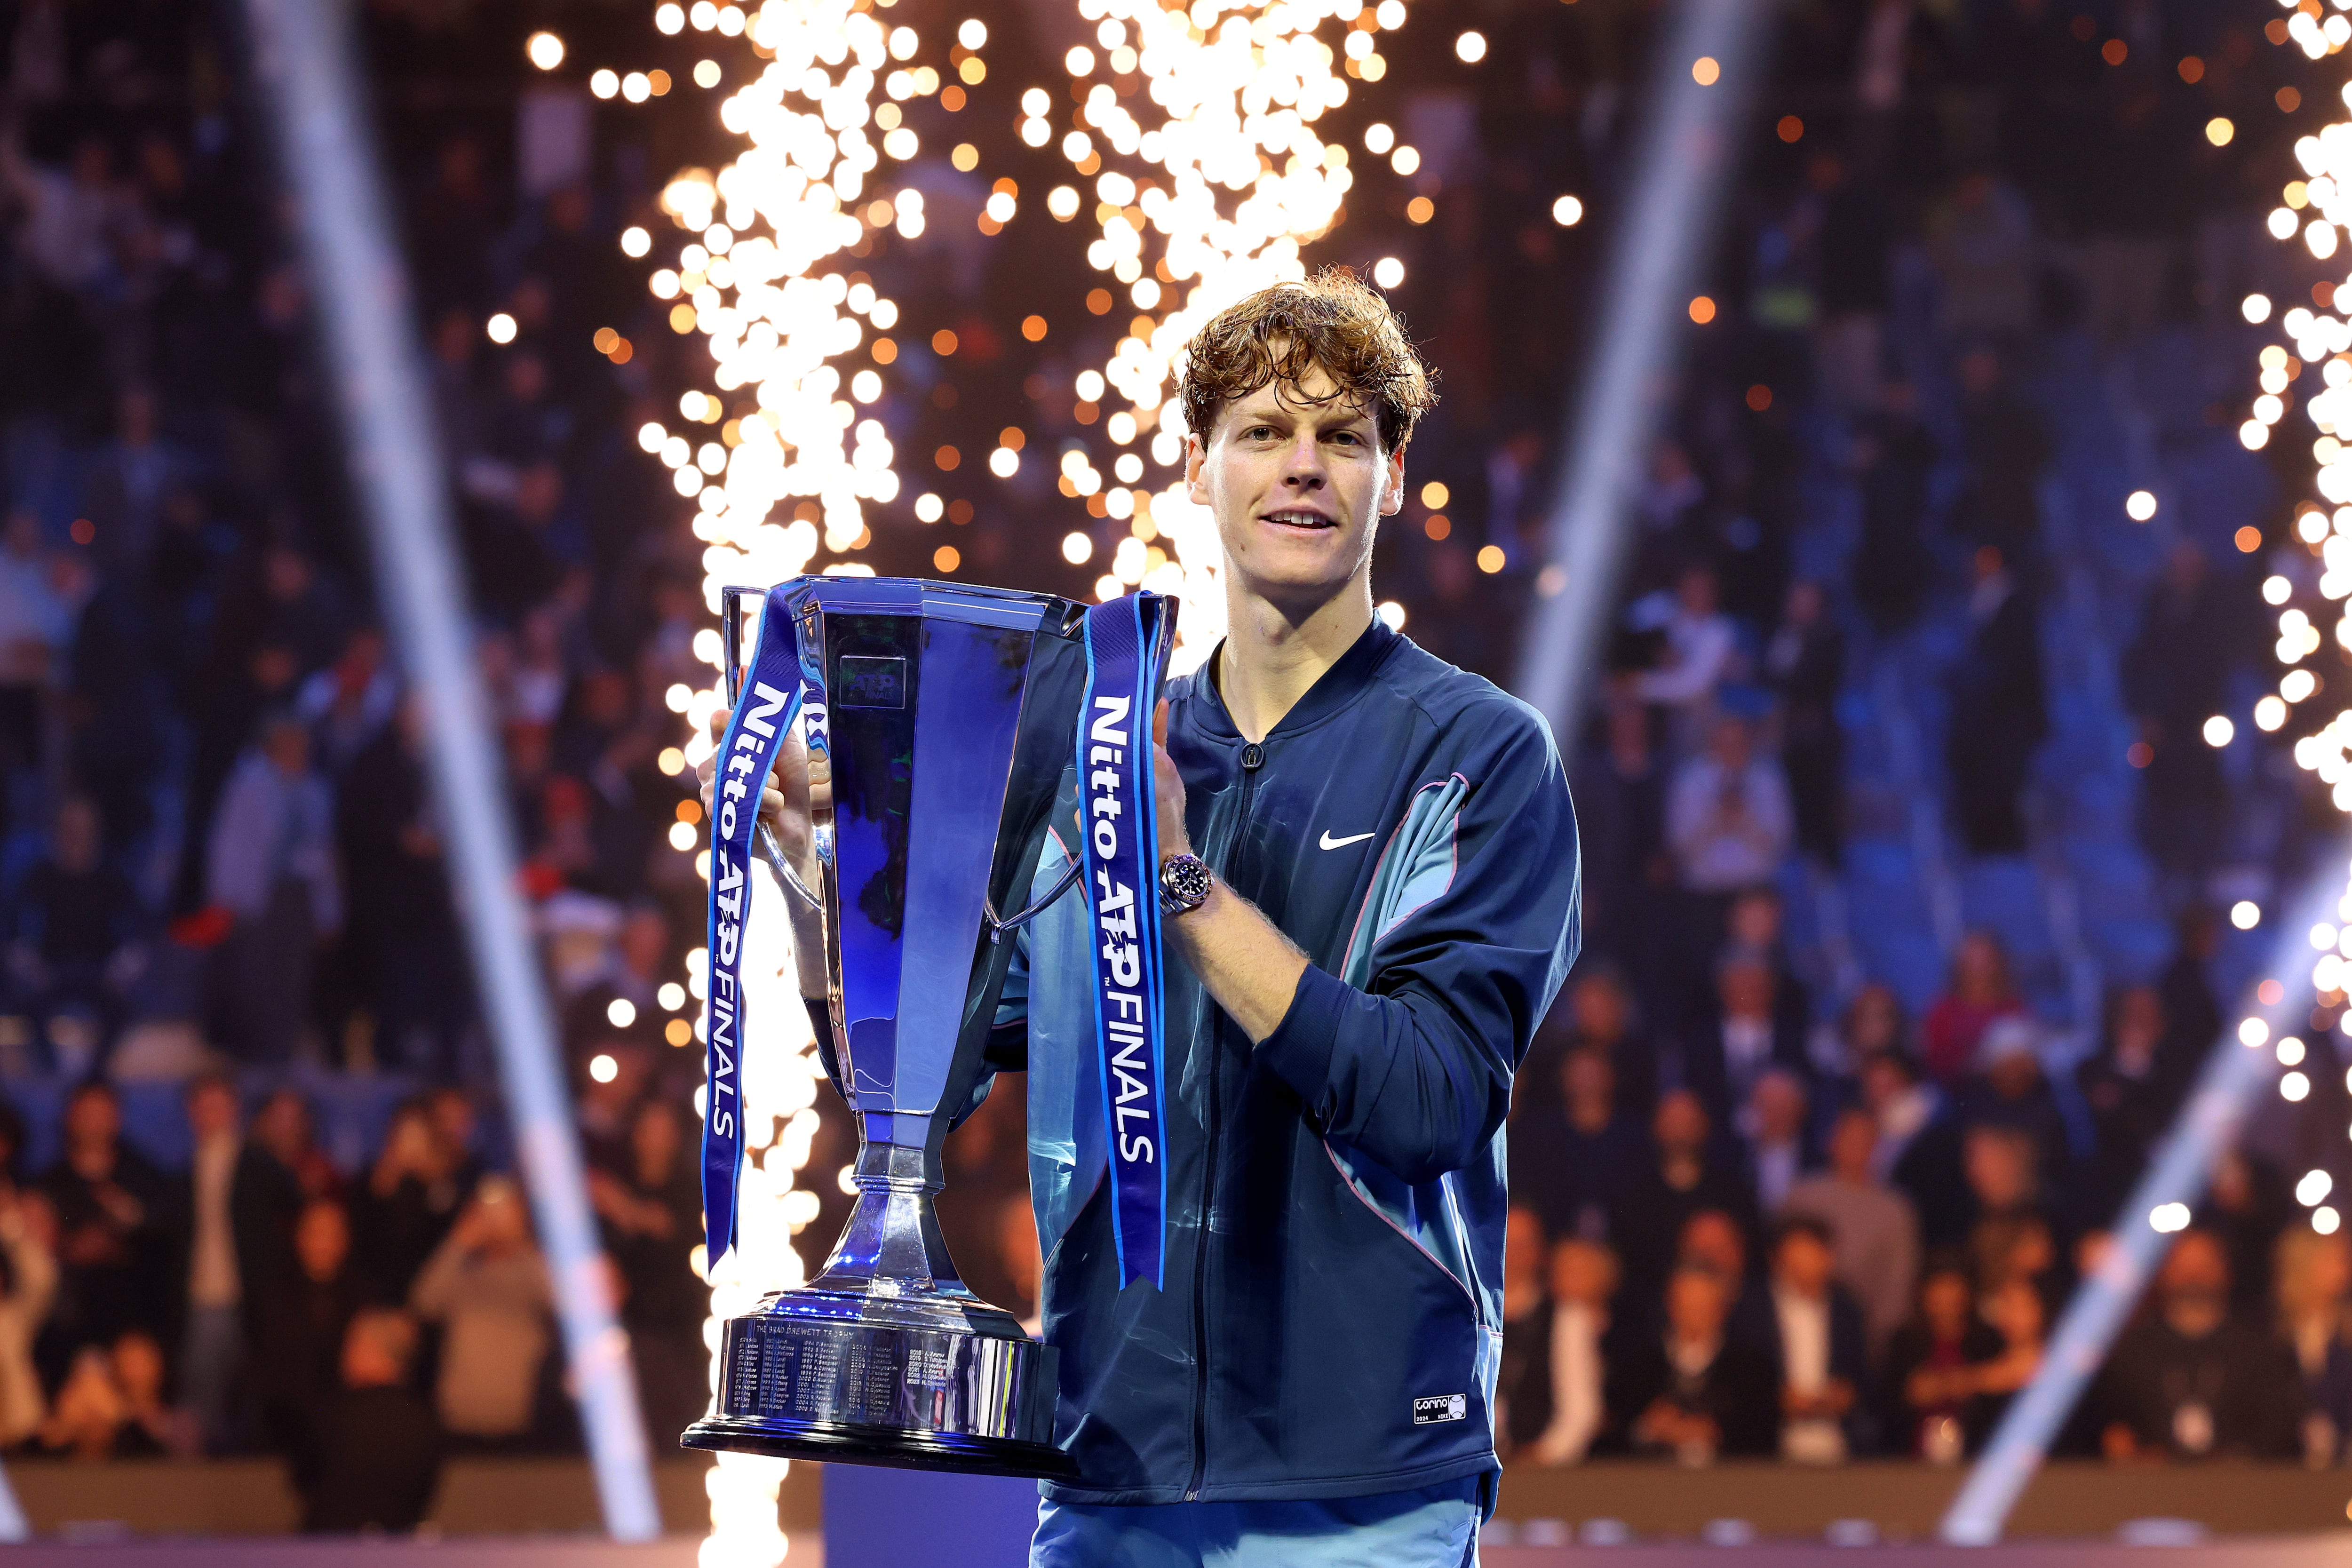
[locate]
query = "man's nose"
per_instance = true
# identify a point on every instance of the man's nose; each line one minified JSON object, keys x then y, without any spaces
{"x":1302,"y":461}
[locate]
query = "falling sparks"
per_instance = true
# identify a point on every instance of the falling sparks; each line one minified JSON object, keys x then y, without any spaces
{"x":1207,"y":199}
{"x":2313,"y":210}
{"x":780,"y":462}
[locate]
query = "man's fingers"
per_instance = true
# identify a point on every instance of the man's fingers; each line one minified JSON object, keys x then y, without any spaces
{"x":1159,"y":722}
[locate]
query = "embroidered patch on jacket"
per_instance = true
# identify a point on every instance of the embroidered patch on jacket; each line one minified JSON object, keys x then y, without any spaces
{"x":1431,"y":1408}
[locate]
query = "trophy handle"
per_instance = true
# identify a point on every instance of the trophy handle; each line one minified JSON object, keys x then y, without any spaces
{"x":731,"y":638}
{"x":1003,"y":923}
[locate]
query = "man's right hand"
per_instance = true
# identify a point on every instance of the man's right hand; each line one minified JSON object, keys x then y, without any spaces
{"x":795,"y":789}
{"x":787,"y":800}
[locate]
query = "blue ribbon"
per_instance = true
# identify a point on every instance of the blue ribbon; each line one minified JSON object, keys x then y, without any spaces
{"x":771,"y":700}
{"x":1126,"y":657}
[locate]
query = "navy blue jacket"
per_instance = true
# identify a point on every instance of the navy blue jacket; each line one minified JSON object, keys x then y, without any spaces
{"x":1331,"y":1320}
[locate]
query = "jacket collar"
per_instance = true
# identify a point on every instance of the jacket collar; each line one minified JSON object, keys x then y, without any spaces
{"x":1333,"y":692}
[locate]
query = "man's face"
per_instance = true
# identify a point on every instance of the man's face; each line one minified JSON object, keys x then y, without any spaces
{"x":1297,"y":480}
{"x":1805,"y":1263}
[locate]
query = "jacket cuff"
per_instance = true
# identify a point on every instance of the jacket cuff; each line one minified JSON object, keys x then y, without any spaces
{"x":1301,"y":1046}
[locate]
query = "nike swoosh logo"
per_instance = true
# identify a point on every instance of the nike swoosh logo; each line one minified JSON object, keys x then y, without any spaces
{"x":1331,"y":843}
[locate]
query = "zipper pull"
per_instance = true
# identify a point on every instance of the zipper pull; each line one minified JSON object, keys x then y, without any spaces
{"x":1252,"y":757}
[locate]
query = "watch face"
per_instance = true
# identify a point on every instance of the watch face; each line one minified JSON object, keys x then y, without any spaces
{"x":1184,"y":881}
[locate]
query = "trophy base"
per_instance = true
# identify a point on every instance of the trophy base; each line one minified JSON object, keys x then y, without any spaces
{"x":859,"y":1378}
{"x":835,"y":1442}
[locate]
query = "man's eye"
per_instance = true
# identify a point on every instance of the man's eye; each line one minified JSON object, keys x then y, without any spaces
{"x":1259,"y":433}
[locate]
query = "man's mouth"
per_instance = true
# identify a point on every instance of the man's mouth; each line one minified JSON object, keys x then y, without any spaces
{"x":1293,"y":517}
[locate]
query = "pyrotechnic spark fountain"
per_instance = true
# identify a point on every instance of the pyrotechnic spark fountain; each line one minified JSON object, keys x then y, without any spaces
{"x":761,"y":276}
{"x":1211,"y":198}
{"x":2315,"y":209}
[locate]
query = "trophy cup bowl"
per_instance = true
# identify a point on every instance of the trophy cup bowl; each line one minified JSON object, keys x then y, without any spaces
{"x":944,"y":716}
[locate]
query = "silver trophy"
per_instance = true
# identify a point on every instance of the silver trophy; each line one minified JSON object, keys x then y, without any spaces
{"x":944,"y":718}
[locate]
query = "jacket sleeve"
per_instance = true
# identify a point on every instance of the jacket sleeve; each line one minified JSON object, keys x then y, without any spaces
{"x":1414,"y":1069}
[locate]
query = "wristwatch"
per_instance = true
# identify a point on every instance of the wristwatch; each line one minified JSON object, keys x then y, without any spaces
{"x":1185,"y":884}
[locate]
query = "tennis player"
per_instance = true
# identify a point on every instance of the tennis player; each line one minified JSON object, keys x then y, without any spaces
{"x":1369,"y":882}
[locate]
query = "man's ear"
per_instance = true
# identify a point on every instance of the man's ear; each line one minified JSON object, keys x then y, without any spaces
{"x":1196,"y":488}
{"x":1392,"y":485}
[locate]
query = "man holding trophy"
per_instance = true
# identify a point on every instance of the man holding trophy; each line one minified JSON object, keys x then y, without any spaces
{"x":1266,"y":1106}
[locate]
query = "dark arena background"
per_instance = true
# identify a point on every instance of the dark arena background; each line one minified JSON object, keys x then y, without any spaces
{"x":1892,"y":442}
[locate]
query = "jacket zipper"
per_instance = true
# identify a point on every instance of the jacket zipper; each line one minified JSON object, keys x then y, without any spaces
{"x":1253,"y":759}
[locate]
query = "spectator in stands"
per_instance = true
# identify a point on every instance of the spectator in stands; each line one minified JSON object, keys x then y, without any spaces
{"x":2004,"y":1184}
{"x":299,"y":1336}
{"x":1570,"y":1165}
{"x":280,"y":1169}
{"x":1998,"y":717}
{"x":1717,"y":1240}
{"x":2192,"y":1014}
{"x":1805,"y":665}
{"x":1933,"y":1365}
{"x":1981,"y":992}
{"x":1579,"y":1351}
{"x":76,"y":937}
{"x":2313,"y":1279}
{"x":1754,"y":928}
{"x":2019,"y":1314}
{"x":403,"y":938}
{"x":1919,"y":1150}
{"x":88,"y":1417}
{"x":1693,"y":1392}
{"x":488,"y":1286}
{"x":1597,"y":1012}
{"x":1772,"y":1137}
{"x":151,"y":1428}
{"x":1872,"y":1025}
{"x":111,"y":1239}
{"x":1728,"y":817}
{"x":212,"y":1350}
{"x":272,"y":866}
{"x":28,"y":1285}
{"x":2246,"y":1206}
{"x":1701,"y":646}
{"x":1621,"y":808}
{"x":2011,"y":1091}
{"x":2191,"y":1380}
{"x":1815,"y":1333}
{"x":1688,"y":1174}
{"x":1892,"y":456}
{"x":35,"y":622}
{"x":1874,"y":1234}
{"x":380,"y":1458}
{"x":2008,"y":448}
{"x":1745,"y":1035}
{"x":2130,"y":1096}
{"x":650,"y":1204}
{"x":1523,"y":1381}
{"x":409,"y":1201}
{"x":2174,"y":676}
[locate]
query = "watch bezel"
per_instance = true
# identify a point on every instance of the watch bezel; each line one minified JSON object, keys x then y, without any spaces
{"x":1194,"y":871}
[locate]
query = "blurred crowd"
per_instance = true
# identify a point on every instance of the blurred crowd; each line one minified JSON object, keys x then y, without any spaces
{"x":1773,"y":1199}
{"x":1766,"y":1204}
{"x":362,"y":1325}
